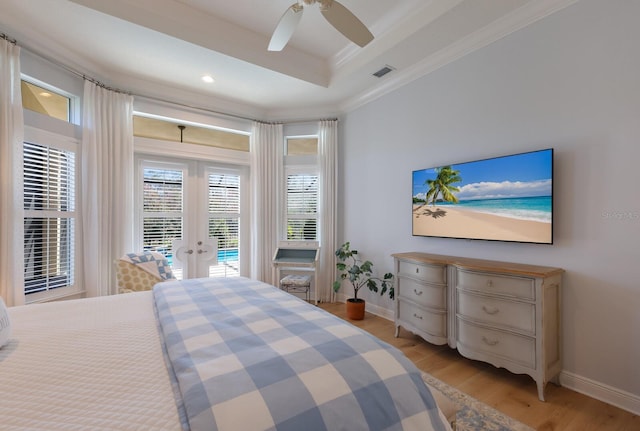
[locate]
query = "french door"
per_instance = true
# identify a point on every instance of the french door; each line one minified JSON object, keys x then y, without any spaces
{"x":192,"y":212}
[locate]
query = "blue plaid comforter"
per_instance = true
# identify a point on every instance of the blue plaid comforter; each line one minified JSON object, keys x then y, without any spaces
{"x":248,"y":356}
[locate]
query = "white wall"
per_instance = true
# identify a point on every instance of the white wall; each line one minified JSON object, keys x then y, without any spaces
{"x":571,"y":82}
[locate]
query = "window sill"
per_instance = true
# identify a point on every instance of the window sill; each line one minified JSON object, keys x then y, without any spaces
{"x":59,"y":294}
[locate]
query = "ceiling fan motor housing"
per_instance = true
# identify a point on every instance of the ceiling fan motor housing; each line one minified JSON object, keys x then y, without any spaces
{"x":334,"y":12}
{"x":324,"y":4}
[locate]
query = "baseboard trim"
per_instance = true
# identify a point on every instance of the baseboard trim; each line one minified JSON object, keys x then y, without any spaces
{"x":380,"y":311}
{"x":591,"y":388}
{"x":370,"y":308}
{"x":605,"y":393}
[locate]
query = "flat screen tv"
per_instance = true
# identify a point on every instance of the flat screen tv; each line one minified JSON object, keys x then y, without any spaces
{"x":507,"y":198}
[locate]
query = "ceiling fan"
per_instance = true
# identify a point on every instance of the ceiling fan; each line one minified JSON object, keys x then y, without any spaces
{"x":338,"y":16}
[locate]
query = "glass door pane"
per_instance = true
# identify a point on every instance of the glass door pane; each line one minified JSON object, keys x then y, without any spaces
{"x":163,"y":215}
{"x":223,"y":221}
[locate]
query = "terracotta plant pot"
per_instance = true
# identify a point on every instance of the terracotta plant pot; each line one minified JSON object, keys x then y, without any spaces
{"x":355,"y":309}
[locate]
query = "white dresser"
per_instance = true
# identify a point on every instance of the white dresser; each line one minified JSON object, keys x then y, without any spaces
{"x":422,"y":299}
{"x":502,"y":313}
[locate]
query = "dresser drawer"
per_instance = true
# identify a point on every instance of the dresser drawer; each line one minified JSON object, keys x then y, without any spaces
{"x":503,"y":345}
{"x":429,"y":295}
{"x":520,"y":316}
{"x":518,"y":287}
{"x":429,"y":273}
{"x":431,"y":322}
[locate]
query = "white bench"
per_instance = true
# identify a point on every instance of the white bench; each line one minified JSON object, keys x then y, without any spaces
{"x":297,"y":284}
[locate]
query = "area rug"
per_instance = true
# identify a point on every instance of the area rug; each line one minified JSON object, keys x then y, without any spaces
{"x":473,"y":414}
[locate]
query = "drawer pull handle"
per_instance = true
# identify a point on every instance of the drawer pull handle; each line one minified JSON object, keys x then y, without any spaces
{"x":417,"y":270}
{"x":490,"y":342}
{"x":417,"y":316}
{"x":417,"y":292}
{"x":489,"y":283}
{"x":490,"y":310}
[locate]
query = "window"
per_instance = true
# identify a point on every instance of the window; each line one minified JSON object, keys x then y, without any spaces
{"x":50,"y":218}
{"x":301,"y":192}
{"x":302,"y":146}
{"x":154,"y":128}
{"x":45,"y":101}
{"x":50,"y":168}
{"x":302,"y":206}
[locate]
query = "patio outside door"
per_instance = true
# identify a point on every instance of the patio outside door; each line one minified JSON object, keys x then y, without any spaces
{"x":191,"y":213}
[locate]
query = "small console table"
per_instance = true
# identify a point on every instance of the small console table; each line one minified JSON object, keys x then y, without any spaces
{"x":506,"y":314}
{"x":297,"y":256}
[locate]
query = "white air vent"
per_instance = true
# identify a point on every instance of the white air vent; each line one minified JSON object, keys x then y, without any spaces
{"x":386,"y":69}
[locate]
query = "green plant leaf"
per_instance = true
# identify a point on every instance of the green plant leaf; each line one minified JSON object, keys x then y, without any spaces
{"x":336,"y":286}
{"x":367,"y":266}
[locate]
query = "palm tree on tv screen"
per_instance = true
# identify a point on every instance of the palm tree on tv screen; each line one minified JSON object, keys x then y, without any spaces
{"x":442,"y":185}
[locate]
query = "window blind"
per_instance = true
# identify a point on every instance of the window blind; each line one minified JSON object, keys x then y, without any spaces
{"x":224,"y":222}
{"x":49,"y":222}
{"x":162,"y":203}
{"x":302,"y":206}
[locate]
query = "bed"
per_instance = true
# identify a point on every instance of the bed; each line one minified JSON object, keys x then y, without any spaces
{"x":204,"y":354}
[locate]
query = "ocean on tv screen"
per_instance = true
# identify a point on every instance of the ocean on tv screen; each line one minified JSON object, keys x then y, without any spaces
{"x":536,"y":208}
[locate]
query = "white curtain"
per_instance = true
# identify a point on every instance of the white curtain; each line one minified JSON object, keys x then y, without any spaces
{"x":328,"y":161}
{"x":11,"y":199}
{"x":107,"y":185}
{"x":267,"y":141}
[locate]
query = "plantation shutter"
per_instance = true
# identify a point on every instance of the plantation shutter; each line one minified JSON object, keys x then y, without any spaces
{"x":302,"y":207}
{"x":224,"y":221}
{"x":50,"y":217}
{"x":163,"y":215}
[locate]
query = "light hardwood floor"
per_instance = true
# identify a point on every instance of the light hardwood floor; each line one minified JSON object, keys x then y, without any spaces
{"x":514,"y":395}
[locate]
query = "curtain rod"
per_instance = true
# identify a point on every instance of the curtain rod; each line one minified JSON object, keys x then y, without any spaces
{"x":105,"y":86}
{"x":8,"y":39}
{"x":153,"y":98}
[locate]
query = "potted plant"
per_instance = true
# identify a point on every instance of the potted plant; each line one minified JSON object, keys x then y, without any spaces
{"x":359,"y":274}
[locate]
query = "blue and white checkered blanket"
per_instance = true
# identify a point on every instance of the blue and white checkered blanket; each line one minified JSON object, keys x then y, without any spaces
{"x":248,"y":356}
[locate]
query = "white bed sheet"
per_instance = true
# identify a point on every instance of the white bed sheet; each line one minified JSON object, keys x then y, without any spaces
{"x":89,"y":364}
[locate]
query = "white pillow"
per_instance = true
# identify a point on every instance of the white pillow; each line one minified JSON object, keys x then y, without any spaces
{"x":5,"y":324}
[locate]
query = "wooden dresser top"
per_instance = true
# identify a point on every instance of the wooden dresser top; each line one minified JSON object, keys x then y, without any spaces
{"x":480,"y":264}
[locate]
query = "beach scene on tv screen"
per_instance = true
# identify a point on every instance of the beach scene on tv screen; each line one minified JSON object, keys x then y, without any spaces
{"x":504,"y":199}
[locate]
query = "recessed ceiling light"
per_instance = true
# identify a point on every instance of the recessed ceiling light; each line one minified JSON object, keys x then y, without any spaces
{"x":208,"y":79}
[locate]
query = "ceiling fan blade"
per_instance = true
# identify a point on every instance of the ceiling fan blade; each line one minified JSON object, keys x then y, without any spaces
{"x":346,"y":23}
{"x":285,"y":28}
